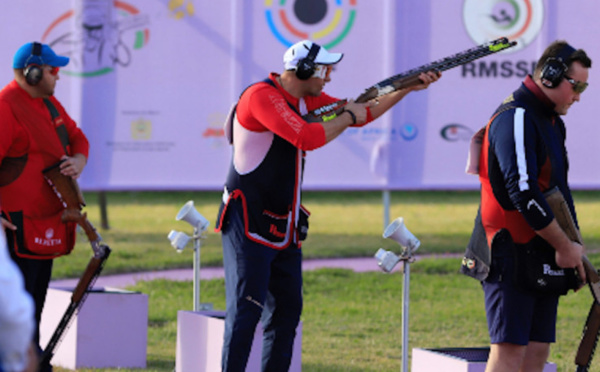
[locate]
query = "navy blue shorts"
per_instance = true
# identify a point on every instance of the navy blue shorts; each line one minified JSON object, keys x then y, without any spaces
{"x":515,"y":316}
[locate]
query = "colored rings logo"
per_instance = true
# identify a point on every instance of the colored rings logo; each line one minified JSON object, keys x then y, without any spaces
{"x":519,"y":20}
{"x":327,"y":22}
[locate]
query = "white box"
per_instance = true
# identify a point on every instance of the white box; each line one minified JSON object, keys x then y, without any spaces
{"x":200,"y":342}
{"x":455,"y":360}
{"x":109,"y":331}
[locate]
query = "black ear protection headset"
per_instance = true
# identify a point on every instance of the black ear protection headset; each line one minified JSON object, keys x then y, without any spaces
{"x":306,"y":66}
{"x":555,"y":68}
{"x":33,"y":72}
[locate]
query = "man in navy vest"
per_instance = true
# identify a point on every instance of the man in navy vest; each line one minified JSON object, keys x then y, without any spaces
{"x":523,"y":156}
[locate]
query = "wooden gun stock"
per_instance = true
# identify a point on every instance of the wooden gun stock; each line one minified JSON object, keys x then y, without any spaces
{"x":411,"y":77}
{"x":71,"y":215}
{"x":589,"y":339}
{"x":67,"y":190}
{"x":66,"y":187}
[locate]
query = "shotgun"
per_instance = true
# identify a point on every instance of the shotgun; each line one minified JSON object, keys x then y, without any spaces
{"x":591,"y":329}
{"x":589,"y":339}
{"x":67,"y":190}
{"x":411,"y":77}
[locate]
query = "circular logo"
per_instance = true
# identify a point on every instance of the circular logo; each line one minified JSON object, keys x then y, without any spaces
{"x":326,"y":22}
{"x":49,"y":233}
{"x":409,"y":131}
{"x":519,"y":20}
{"x":456,"y":132}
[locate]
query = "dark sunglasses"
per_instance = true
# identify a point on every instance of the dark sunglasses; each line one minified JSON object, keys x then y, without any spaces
{"x":578,"y":86}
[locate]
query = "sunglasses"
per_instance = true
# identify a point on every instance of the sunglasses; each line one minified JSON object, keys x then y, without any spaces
{"x":53,"y":71}
{"x":578,"y":86}
{"x":323,"y":71}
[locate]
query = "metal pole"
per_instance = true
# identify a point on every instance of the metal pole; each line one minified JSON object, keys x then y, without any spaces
{"x":405,"y":301}
{"x":103,"y":210}
{"x":386,"y":208}
{"x":196,"y":270}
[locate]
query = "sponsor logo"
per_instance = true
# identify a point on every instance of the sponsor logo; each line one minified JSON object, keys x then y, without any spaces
{"x":533,"y":203}
{"x":141,"y":129}
{"x":409,"y":131}
{"x":48,"y":239}
{"x":456,"y":132}
{"x":468,"y":263}
{"x":548,"y":271}
{"x":108,"y":32}
{"x":326,"y":22}
{"x":519,"y":20}
{"x":181,"y":8}
{"x":497,"y":69}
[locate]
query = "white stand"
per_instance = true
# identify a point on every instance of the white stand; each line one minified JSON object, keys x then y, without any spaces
{"x":110,"y":330}
{"x":200,"y":343}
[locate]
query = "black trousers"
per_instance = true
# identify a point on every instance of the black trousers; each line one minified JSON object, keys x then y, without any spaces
{"x":36,"y":275}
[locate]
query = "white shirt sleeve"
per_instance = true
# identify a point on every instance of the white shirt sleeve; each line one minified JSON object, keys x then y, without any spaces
{"x":16,"y":313}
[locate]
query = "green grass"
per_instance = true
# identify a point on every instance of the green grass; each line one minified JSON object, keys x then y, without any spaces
{"x":351,"y":321}
{"x":342,"y":224}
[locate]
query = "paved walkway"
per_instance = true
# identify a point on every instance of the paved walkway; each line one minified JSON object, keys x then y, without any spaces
{"x":360,"y":264}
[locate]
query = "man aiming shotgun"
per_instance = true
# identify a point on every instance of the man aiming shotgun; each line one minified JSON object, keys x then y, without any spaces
{"x":261,"y":217}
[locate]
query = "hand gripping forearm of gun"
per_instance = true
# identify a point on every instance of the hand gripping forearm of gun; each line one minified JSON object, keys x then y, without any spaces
{"x":413,"y":78}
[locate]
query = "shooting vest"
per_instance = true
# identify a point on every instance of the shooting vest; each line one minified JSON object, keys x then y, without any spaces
{"x":269,"y":196}
{"x":497,"y":210}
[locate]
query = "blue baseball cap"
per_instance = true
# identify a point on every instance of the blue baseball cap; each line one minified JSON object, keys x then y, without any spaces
{"x":39,"y":54}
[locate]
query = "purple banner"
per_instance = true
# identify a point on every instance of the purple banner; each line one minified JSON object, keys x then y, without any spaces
{"x":151,"y":81}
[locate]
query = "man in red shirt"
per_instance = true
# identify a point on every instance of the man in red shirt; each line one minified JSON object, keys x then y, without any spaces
{"x":36,"y":133}
{"x":261,"y":217}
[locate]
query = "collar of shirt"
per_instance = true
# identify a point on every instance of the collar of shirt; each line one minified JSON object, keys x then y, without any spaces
{"x":539,"y":94}
{"x":288,"y":97}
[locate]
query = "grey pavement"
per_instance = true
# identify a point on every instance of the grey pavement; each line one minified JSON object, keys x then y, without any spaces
{"x":360,"y":264}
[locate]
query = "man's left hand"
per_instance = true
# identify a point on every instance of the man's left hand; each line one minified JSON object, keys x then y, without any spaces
{"x":427,"y":78}
{"x":72,"y":166}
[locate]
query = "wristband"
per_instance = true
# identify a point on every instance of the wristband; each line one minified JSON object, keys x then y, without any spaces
{"x":352,"y":115}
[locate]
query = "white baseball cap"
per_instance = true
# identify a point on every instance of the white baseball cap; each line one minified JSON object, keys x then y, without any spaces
{"x":300,"y":50}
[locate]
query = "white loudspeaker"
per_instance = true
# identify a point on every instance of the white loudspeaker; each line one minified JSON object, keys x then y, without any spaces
{"x":190,"y":215}
{"x":398,"y":232}
{"x":178,"y":240}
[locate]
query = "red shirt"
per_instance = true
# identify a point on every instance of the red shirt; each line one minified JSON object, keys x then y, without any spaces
{"x":27,"y":128}
{"x":265,"y":108}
